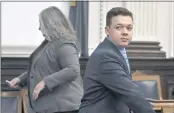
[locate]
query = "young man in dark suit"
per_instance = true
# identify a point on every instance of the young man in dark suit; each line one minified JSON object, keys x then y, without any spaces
{"x":108,"y":83}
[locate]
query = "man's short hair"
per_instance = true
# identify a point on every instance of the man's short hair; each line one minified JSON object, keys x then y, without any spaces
{"x":115,"y":12}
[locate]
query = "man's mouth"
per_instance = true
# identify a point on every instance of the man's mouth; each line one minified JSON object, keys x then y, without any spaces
{"x":124,"y":39}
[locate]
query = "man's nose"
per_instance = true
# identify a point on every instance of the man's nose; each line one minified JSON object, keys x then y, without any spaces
{"x":125,"y":31}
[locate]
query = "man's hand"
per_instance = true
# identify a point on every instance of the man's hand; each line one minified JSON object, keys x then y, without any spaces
{"x":39,"y":87}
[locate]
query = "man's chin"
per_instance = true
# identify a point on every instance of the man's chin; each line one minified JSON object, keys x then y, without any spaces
{"x":124,"y":44}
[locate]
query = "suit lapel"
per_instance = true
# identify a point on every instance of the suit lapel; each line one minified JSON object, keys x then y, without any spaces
{"x":38,"y":52}
{"x":113,"y":46}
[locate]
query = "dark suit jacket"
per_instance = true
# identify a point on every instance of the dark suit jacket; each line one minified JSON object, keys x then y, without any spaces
{"x":108,"y":85}
{"x":57,"y":63}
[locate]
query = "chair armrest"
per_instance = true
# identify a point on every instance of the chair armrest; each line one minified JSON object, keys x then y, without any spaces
{"x":161,"y":103}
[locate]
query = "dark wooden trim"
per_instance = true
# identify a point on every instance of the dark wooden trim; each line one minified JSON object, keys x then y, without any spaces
{"x":14,"y":66}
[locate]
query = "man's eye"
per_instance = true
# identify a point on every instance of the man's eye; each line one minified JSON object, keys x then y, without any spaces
{"x":118,"y":27}
{"x":129,"y":28}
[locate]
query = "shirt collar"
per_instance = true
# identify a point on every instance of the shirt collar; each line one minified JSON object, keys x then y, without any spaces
{"x":120,"y":48}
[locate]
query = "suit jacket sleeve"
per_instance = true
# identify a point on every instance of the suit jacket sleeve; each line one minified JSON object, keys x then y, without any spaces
{"x":23,"y":79}
{"x":114,"y":77}
{"x":69,"y":61}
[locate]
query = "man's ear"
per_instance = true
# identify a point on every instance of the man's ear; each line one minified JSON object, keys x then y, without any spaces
{"x":107,"y":30}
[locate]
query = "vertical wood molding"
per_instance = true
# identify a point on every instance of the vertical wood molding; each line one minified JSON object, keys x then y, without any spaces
{"x":93,"y":26}
{"x":154,"y":21}
{"x":165,"y":27}
{"x":105,"y":6}
{"x":103,"y":13}
{"x":171,"y":41}
{"x":101,"y":20}
{"x":145,"y":24}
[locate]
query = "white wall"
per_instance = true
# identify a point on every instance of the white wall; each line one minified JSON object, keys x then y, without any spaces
{"x":20,"y":34}
{"x":97,"y":18}
{"x":154,"y":21}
